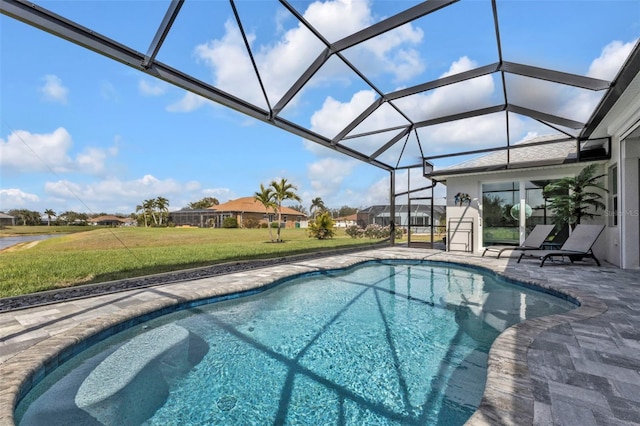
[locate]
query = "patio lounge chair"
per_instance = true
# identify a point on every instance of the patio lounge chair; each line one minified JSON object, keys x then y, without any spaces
{"x":533,"y":241}
{"x":577,"y":246}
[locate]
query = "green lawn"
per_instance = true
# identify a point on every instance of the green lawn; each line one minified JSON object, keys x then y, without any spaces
{"x":106,"y":254}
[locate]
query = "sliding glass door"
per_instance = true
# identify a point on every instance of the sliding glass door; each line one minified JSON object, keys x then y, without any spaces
{"x":501,"y":206}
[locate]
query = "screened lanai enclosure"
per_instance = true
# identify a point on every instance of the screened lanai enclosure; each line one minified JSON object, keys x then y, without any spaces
{"x":410,"y":87}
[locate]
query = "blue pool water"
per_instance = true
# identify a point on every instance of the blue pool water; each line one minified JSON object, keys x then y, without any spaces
{"x":396,"y":343}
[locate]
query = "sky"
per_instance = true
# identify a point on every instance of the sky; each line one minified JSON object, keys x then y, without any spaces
{"x":80,"y":132}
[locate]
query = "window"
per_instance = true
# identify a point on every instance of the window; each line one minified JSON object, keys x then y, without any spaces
{"x":501,"y":210}
{"x":499,"y":227}
{"x":612,"y":212}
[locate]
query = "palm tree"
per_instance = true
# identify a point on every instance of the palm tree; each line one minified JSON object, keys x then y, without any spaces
{"x":571,"y":199}
{"x":283,"y":190}
{"x":49,"y":213}
{"x":162,"y":204}
{"x":266,"y":197}
{"x":317,"y":206}
{"x":147,"y":208}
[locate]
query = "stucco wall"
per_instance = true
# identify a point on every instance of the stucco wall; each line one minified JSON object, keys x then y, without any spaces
{"x":472,"y":185}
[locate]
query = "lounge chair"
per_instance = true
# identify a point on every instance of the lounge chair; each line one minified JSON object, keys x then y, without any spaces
{"x":534,"y":240}
{"x":577,"y":246}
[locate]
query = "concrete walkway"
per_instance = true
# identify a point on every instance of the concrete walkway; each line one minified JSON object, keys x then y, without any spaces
{"x":579,"y":368}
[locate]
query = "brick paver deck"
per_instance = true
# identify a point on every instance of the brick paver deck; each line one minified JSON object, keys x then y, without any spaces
{"x":579,"y":368}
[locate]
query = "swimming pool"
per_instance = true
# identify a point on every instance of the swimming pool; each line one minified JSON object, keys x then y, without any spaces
{"x":382,"y":343}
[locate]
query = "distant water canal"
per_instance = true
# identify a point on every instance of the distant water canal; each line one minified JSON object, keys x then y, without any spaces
{"x":6,"y":242}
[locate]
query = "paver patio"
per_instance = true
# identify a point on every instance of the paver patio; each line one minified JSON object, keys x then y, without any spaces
{"x":578,"y":368}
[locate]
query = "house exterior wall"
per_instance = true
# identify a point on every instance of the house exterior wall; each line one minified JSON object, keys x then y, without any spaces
{"x":7,"y":221}
{"x":472,"y":185}
{"x":629,"y":213}
{"x":623,"y":124}
{"x":289,"y":222}
{"x":463,"y":224}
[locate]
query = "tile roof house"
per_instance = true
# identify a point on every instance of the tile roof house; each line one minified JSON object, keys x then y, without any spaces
{"x":246,"y":208}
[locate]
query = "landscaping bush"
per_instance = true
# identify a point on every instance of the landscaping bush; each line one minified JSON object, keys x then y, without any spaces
{"x":322,"y":227}
{"x":375,"y":231}
{"x":274,"y":224}
{"x":252,"y":223}
{"x":230,"y":222}
{"x":354,"y":231}
{"x":264,"y":225}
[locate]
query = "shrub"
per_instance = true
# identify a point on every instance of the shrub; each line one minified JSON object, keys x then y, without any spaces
{"x":264,"y":225}
{"x":252,"y":223}
{"x":274,"y":224}
{"x":354,"y":231}
{"x":375,"y":231}
{"x":230,"y":222}
{"x":321,"y":227}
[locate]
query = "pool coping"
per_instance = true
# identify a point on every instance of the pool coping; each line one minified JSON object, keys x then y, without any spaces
{"x":508,"y":397}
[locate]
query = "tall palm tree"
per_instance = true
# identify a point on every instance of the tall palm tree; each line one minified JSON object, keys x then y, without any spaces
{"x":147,"y":208}
{"x":283,"y":190}
{"x":266,"y":197}
{"x":317,"y":206}
{"x":162,"y":204}
{"x":571,"y":197}
{"x":49,"y":213}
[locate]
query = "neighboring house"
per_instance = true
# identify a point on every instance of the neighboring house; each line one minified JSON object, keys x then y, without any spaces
{"x":109,"y":220}
{"x":7,"y":220}
{"x":346,"y":221}
{"x":416,"y":215}
{"x":247,"y":207}
{"x":201,"y":218}
{"x":242,"y":209}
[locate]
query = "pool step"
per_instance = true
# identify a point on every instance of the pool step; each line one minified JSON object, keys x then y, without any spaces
{"x":133,"y":382}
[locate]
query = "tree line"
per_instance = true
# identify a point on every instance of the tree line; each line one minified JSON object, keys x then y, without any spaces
{"x":155,"y":211}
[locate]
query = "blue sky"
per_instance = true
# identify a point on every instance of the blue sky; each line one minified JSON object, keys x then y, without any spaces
{"x":81,"y":132}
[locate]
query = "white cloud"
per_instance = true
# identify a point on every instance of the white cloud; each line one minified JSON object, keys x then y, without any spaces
{"x":281,"y":62}
{"x":36,"y":152}
{"x":468,"y":95}
{"x":25,"y":152}
{"x":219,"y":193}
{"x":607,"y":65}
{"x":327,"y":174}
{"x":335,"y":115}
{"x":150,"y":89}
{"x":463,"y":96}
{"x":15,"y":198}
{"x":53,"y":90}
{"x":190,"y":102}
{"x":114,"y":191}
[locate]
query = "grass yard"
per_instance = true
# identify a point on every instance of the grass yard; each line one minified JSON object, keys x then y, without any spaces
{"x":106,"y":254}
